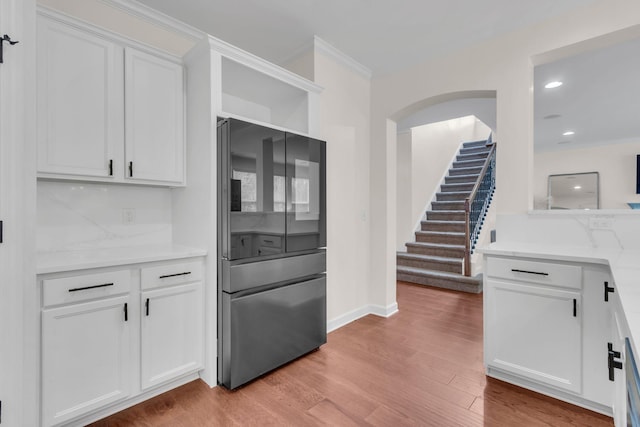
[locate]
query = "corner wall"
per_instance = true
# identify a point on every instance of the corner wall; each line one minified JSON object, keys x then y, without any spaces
{"x":344,"y":123}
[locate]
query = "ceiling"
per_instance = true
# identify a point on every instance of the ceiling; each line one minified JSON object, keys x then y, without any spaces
{"x":382,"y":35}
{"x":599,"y":99}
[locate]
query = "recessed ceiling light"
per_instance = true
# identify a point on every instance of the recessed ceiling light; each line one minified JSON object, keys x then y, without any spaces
{"x":568,"y":133}
{"x":553,"y":85}
{"x":577,"y":187}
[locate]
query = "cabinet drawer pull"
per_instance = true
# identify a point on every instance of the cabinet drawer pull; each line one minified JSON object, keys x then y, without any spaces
{"x":131,"y":169}
{"x":515,"y":270}
{"x":126,"y":312}
{"x":268,"y":241}
{"x":174,"y":275}
{"x":146,"y":307}
{"x":90,"y":287}
{"x":111,"y":167}
{"x":575,"y":311}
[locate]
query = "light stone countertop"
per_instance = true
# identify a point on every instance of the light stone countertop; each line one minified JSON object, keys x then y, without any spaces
{"x":59,"y":261}
{"x":624,"y":265}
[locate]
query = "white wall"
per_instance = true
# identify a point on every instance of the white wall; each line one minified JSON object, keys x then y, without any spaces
{"x":502,"y":64}
{"x":345,"y":106}
{"x":617,"y":172}
{"x":404,"y":190}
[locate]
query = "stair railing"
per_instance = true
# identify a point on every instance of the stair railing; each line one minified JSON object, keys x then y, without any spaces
{"x":476,"y":205}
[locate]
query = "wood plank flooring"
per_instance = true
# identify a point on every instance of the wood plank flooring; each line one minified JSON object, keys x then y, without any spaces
{"x":420,"y":367}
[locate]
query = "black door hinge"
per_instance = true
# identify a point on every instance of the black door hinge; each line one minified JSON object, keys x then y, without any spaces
{"x":612,"y":362}
{"x":607,"y":289}
{"x":7,"y":39}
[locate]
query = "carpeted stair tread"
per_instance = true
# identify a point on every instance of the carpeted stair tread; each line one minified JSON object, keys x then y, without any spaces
{"x":468,"y":163}
{"x":448,"y":205}
{"x":474,"y":170}
{"x":445,"y":214}
{"x":473,"y":156}
{"x":450,"y":260}
{"x":453,"y":188}
{"x":452,"y":196}
{"x":480,"y":143}
{"x":461,"y":178}
{"x":439,"y":279}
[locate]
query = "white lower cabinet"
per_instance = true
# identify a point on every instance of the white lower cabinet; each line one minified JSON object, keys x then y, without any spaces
{"x":535,"y":333}
{"x":547,"y":327}
{"x":171,"y":335}
{"x":86,"y":357}
{"x":94,"y":325}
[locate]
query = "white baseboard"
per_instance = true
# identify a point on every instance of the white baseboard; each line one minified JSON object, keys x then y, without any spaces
{"x":356,"y":314}
{"x":381,"y":311}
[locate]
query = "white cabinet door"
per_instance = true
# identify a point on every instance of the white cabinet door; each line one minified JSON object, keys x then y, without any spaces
{"x":86,"y":358}
{"x":534,"y":332}
{"x":172,"y":333}
{"x":154,"y":111}
{"x":79,"y":108}
{"x":619,"y":397}
{"x":597,"y":333}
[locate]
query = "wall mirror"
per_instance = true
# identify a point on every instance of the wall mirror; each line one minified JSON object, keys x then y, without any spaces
{"x":587,"y":118}
{"x":573,"y":191}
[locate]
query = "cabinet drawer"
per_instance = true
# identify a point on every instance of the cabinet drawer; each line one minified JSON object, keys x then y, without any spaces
{"x":170,"y":274}
{"x":563,"y":275}
{"x":270,"y":241}
{"x":85,"y":287}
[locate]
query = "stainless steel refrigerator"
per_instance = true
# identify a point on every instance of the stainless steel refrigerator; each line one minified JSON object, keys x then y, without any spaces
{"x":271,"y":246}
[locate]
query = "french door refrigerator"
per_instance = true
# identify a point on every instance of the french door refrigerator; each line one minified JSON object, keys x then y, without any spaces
{"x":271,"y":249}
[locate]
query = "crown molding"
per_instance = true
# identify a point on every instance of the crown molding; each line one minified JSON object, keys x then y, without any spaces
{"x":146,"y":13}
{"x":253,"y":61}
{"x":341,"y":57}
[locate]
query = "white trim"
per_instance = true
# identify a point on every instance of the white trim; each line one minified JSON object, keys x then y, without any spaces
{"x":353,"y":315}
{"x":117,"y":407}
{"x":381,"y":311}
{"x":341,"y":57}
{"x":347,"y":318}
{"x":105,"y":33}
{"x":262,"y":65}
{"x":155,"y":17}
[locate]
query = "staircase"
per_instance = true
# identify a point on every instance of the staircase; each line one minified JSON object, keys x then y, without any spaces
{"x":436,"y":257}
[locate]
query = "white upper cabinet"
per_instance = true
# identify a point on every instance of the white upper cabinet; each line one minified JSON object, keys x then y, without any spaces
{"x":107,"y":112}
{"x":154,"y":117}
{"x":79,"y":110}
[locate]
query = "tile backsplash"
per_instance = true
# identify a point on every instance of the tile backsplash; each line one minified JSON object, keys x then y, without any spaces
{"x":75,"y":215}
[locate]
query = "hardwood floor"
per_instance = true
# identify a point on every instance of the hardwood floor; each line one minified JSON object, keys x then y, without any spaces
{"x":420,"y":367}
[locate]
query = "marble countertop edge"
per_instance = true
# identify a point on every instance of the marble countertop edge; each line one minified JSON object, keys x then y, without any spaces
{"x":81,"y":259}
